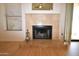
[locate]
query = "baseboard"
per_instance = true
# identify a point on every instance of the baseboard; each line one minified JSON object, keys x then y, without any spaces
{"x":74,"y":40}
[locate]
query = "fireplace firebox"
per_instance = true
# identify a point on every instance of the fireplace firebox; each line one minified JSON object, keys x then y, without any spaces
{"x":42,"y":32}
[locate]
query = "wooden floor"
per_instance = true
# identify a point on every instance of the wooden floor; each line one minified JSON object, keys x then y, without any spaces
{"x":38,"y":48}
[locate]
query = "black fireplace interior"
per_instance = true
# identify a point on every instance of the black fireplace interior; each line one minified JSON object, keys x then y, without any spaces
{"x":42,"y":32}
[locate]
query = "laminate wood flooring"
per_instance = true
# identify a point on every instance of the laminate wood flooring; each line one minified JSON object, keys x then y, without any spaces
{"x":38,"y":48}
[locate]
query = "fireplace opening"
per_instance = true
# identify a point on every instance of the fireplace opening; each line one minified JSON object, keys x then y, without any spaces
{"x":42,"y":32}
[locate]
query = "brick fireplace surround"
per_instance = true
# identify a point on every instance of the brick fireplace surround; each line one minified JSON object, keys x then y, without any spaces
{"x":43,"y":19}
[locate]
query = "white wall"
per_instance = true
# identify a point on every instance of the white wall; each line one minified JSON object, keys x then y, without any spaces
{"x":2,"y":17}
{"x":58,"y":8}
{"x":8,"y":35}
{"x":75,"y":23}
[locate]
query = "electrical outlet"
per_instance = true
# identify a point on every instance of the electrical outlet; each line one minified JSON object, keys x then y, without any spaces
{"x":62,"y":34}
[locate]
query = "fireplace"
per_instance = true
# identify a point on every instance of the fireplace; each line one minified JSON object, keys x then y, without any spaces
{"x":42,"y":32}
